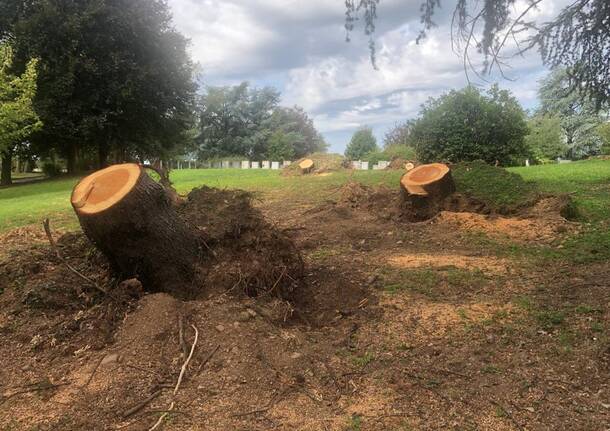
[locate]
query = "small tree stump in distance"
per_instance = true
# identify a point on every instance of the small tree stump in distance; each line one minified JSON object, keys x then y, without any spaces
{"x":424,"y":189}
{"x":131,"y":219}
{"x":306,"y":165}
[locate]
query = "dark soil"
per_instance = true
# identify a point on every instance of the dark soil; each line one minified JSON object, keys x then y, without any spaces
{"x":395,"y":326}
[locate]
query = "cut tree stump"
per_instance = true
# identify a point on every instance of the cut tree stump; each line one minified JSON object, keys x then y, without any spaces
{"x":306,"y":165}
{"x":424,"y":189}
{"x":132,"y":220}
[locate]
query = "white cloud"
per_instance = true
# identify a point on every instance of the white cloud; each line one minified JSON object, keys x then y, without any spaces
{"x":298,"y":46}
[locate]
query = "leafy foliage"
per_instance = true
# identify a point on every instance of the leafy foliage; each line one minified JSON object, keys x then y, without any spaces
{"x":603,"y":130}
{"x":114,"y":76}
{"x":18,"y":120}
{"x":578,"y":117}
{"x":468,"y":125}
{"x":578,"y":38}
{"x":545,"y":139}
{"x":362,"y":143}
{"x":248,"y":122}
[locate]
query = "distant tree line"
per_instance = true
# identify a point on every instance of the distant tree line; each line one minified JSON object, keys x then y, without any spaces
{"x":112,"y":82}
{"x":241,"y":121}
{"x":471,"y":124}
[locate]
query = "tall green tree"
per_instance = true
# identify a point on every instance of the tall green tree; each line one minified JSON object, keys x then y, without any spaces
{"x":470,"y":125}
{"x":579,"y":117}
{"x":18,"y":120}
{"x":545,"y":138}
{"x":230,"y":120}
{"x":297,"y":129}
{"x":115,"y":76}
{"x":241,"y":121}
{"x":362,"y":143}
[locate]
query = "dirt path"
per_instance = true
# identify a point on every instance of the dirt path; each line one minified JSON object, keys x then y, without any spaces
{"x":399,"y":327}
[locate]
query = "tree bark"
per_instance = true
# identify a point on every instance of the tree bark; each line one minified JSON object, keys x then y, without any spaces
{"x":7,"y":167}
{"x":424,"y":190}
{"x":141,"y":234}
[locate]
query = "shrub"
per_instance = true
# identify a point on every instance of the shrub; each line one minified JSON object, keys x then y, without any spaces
{"x":468,"y":125}
{"x":51,"y":169}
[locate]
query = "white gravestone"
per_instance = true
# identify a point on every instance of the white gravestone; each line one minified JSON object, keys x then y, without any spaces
{"x":266,"y":164}
{"x":275,"y":165}
{"x":256,"y":165}
{"x":286,"y":163}
{"x":245,"y":164}
{"x":364,"y":166}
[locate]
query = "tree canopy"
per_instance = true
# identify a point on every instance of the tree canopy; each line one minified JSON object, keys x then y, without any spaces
{"x":18,"y":120}
{"x":578,"y":116}
{"x":470,"y":125}
{"x":362,"y":143}
{"x":577,"y":38}
{"x":545,"y":138}
{"x":241,"y":121}
{"x":114,"y":76}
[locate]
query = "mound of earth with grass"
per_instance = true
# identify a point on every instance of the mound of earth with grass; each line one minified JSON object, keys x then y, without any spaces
{"x":323,"y":163}
{"x":488,"y":200}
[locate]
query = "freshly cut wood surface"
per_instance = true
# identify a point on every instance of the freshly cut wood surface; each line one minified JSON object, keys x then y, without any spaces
{"x":416,"y":180}
{"x":306,"y":164}
{"x":424,"y":189}
{"x":104,"y":188}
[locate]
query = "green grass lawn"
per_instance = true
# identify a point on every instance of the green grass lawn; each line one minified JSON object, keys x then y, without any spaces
{"x":588,"y":181}
{"x":26,"y":204}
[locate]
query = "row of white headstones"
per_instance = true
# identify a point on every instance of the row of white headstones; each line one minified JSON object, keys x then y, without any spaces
{"x":247,"y":164}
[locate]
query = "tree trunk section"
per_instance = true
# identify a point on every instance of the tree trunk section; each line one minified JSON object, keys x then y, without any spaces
{"x":306,"y":166}
{"x":7,"y":167}
{"x":424,"y":190}
{"x":131,"y":219}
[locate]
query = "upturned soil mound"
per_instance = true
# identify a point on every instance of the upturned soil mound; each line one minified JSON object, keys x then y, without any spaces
{"x":322,"y":163}
{"x":244,"y":252}
{"x":543,"y":221}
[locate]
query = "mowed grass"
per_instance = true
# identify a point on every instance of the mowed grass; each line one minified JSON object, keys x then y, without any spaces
{"x":588,"y":182}
{"x":22,"y":205}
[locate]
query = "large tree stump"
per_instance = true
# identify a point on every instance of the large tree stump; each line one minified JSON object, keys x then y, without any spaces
{"x":424,"y":189}
{"x":131,"y":219}
{"x":306,"y":165}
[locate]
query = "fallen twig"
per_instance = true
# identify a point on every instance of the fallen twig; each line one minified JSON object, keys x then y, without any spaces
{"x":97,"y":365}
{"x":183,"y":345}
{"x":34,"y":387}
{"x":141,"y":404}
{"x":206,"y":360}
{"x":47,"y":230}
{"x":182,"y":371}
{"x":269,"y":405}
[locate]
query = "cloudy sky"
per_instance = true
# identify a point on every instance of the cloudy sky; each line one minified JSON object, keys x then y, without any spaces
{"x":298,"y":46}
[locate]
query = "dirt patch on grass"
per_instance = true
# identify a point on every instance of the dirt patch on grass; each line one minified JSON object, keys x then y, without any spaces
{"x":419,"y":260}
{"x":539,"y":229}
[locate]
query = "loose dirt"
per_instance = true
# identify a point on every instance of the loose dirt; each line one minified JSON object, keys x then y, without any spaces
{"x":395,"y":326}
